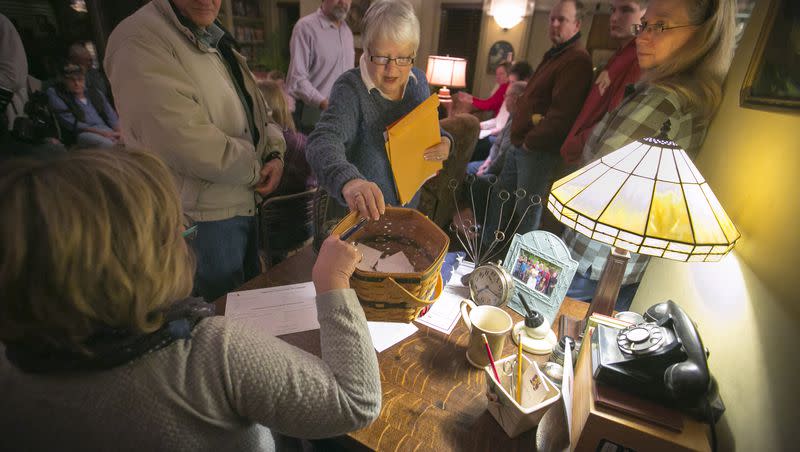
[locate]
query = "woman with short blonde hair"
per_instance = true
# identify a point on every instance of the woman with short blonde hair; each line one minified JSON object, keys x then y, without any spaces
{"x":103,"y":350}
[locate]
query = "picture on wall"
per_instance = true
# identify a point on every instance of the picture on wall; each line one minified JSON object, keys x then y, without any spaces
{"x":499,"y":52}
{"x":773,"y":77}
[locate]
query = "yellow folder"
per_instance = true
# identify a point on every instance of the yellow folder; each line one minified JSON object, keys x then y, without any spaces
{"x":406,"y":142}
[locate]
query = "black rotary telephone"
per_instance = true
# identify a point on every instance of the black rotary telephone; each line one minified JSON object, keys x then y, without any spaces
{"x":662,"y":358}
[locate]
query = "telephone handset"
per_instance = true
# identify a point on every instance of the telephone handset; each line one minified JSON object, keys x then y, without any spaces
{"x":663,"y":358}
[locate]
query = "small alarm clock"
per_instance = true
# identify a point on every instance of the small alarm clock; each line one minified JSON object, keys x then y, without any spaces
{"x":490,"y":284}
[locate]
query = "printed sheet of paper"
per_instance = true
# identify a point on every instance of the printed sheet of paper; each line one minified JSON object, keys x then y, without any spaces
{"x":445,"y":313}
{"x":386,"y":334}
{"x":275,"y":310}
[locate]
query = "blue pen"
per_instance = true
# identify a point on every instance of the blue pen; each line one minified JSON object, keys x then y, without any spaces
{"x":353,"y":229}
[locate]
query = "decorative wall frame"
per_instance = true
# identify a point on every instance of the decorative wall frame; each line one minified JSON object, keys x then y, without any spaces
{"x":499,"y":52}
{"x":542,"y":269}
{"x":773,"y":76}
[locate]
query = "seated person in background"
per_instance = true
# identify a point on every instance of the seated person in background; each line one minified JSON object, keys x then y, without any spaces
{"x":608,"y":90}
{"x":279,"y":78}
{"x":490,"y":129}
{"x":79,"y":55}
{"x":346,"y":149}
{"x":103,"y":348}
{"x":495,"y":100}
{"x":297,"y":175}
{"x":494,"y":162}
{"x":684,"y":51}
{"x":86,"y":114}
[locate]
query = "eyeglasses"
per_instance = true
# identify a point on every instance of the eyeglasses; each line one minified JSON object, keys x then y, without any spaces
{"x":657,"y":27}
{"x":384,"y":60}
{"x":190,"y":229}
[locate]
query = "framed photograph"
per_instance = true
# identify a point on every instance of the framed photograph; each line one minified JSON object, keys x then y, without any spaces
{"x":499,"y":52}
{"x":542,"y":269}
{"x":773,"y":77}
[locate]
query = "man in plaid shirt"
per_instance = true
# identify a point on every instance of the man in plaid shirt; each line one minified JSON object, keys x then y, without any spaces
{"x":641,"y":114}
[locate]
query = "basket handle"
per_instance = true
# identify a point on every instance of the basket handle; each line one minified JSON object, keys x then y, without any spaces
{"x":437,"y":291}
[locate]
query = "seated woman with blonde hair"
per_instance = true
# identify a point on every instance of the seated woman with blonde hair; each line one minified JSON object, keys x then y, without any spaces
{"x":103,"y":349}
{"x":297,"y":174}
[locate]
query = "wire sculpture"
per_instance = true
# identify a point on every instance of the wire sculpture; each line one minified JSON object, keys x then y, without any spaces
{"x":469,"y":231}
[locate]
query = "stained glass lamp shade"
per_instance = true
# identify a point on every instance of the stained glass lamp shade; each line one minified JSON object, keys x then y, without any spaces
{"x":647,"y":198}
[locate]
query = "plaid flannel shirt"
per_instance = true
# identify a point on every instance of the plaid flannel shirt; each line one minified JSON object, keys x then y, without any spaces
{"x":641,"y":114}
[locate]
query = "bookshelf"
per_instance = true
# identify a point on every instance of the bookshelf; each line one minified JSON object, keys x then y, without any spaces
{"x":262,"y":28}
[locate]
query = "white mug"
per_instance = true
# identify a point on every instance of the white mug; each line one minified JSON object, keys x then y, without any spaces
{"x":492,"y":321}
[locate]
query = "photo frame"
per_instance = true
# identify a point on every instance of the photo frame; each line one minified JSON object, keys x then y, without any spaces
{"x":499,"y":52}
{"x":542,"y":270}
{"x":773,"y":76}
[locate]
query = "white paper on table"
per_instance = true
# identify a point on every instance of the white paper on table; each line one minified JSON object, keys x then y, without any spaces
{"x":275,"y":310}
{"x":444,"y":314}
{"x":396,"y":263}
{"x":386,"y":334}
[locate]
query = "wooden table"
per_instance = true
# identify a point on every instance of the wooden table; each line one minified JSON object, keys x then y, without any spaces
{"x":433,"y":399}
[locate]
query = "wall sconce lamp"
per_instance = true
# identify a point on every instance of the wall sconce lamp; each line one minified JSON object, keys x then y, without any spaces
{"x":648,"y":198}
{"x":508,"y":13}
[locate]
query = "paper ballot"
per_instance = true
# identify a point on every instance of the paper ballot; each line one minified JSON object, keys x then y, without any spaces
{"x":406,"y":143}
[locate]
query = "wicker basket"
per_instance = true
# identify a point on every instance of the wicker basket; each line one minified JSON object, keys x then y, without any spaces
{"x":399,"y":297}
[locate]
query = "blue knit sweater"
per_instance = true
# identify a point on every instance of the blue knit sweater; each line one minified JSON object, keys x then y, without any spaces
{"x":348,"y":141}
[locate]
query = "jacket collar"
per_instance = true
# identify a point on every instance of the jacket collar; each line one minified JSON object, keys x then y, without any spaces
{"x":203,"y":39}
{"x":560,"y":48}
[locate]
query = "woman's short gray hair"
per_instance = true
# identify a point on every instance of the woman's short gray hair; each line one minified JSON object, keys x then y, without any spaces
{"x":392,"y":20}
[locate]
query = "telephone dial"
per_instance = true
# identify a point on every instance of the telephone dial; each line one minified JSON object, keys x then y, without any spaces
{"x":662,"y":358}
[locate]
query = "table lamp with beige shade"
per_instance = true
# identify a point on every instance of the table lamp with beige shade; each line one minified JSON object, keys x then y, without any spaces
{"x":648,"y":198}
{"x":446,"y":71}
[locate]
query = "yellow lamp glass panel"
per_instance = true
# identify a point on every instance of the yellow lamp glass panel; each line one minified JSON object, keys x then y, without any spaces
{"x":628,"y":210}
{"x":669,"y":219}
{"x":648,"y":167}
{"x":595,"y":197}
{"x":685,"y":172}
{"x":666,"y":167}
{"x":706,"y":226}
{"x":628,"y":237}
{"x":605,"y":229}
{"x":566,"y":191}
{"x":620,"y":154}
{"x":725,"y":222}
{"x":577,"y":173}
{"x":632,"y":160}
{"x":626,"y":246}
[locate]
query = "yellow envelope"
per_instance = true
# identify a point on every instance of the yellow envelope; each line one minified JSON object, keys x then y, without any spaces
{"x":408,"y":139}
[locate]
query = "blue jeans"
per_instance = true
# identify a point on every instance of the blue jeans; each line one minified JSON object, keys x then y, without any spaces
{"x":227,"y":255}
{"x":531,"y":171}
{"x":583,"y":288}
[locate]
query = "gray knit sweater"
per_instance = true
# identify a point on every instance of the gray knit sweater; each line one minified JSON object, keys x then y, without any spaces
{"x":348,"y":143}
{"x":228,"y":388}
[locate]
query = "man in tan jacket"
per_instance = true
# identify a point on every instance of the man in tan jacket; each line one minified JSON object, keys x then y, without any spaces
{"x":185,"y":93}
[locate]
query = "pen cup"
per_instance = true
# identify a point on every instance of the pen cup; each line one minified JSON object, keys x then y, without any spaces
{"x":492,"y":321}
{"x":513,"y":417}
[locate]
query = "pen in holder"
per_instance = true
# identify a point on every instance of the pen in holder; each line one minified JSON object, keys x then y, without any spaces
{"x":538,"y":393}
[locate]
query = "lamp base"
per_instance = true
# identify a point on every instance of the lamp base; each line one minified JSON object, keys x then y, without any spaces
{"x":444,"y":94}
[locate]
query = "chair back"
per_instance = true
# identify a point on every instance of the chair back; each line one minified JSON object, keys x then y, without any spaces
{"x":285,"y":224}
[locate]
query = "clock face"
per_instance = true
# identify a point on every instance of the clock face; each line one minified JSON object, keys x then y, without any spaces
{"x":489,"y":284}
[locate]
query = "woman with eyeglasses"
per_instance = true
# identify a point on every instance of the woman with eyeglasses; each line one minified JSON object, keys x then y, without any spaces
{"x":103,"y":349}
{"x":346,"y":149}
{"x":684,"y":48}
